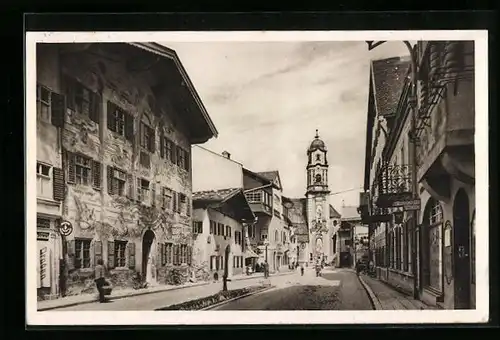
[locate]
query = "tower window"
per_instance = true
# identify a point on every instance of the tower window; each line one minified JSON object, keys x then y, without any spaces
{"x":318,"y":157}
{"x":318,"y":178}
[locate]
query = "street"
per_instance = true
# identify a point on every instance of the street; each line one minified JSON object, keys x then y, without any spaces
{"x":337,"y":289}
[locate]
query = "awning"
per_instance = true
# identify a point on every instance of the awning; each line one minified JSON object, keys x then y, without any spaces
{"x":249,"y":253}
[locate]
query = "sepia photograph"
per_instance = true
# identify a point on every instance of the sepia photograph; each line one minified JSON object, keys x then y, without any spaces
{"x":320,"y":172}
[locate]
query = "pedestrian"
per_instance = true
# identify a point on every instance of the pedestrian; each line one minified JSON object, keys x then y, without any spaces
{"x":100,"y":280}
{"x":301,"y":270}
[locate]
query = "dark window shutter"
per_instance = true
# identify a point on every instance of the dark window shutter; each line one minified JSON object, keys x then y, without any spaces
{"x":111,"y":254}
{"x":187,"y":160}
{"x":131,"y":255}
{"x":176,"y":254}
{"x":130,"y":191}
{"x":173,"y":153}
{"x":96,"y":174}
{"x":95,"y":107}
{"x":162,"y":146}
{"x":110,"y":179}
{"x":58,"y":184}
{"x":71,"y":167}
{"x":71,"y":254}
{"x":152,"y":141}
{"x":159,"y":255}
{"x":174,"y":203}
{"x":97,"y":251}
{"x":178,"y":154}
{"x":189,"y":255}
{"x":129,"y":127}
{"x":111,"y":121}
{"x":58,"y":107}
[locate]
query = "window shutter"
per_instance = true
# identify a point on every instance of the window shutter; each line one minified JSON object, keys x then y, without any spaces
{"x":111,"y":254}
{"x":187,"y":160}
{"x":153,"y":194}
{"x":138,"y":186}
{"x":189,"y":255}
{"x":188,"y":206}
{"x":58,"y":184}
{"x":131,"y":255}
{"x":58,"y":107}
{"x":129,"y":127}
{"x":111,"y":121}
{"x":95,"y":107}
{"x":173,"y":153}
{"x":159,"y":254}
{"x":96,"y":174}
{"x":178,"y":154}
{"x":71,"y":167}
{"x":152,"y":141}
{"x":97,"y":251}
{"x":162,"y":146}
{"x":176,"y":254}
{"x":110,"y":179}
{"x":130,"y":191}
{"x":174,"y":198}
{"x":71,"y":254}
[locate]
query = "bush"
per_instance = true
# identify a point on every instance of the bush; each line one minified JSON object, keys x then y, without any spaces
{"x":212,"y":299}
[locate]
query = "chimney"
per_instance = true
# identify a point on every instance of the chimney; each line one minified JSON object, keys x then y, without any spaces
{"x":226,"y":154}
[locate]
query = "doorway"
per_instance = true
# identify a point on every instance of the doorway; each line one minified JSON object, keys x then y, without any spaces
{"x":148,"y":253}
{"x":461,"y":253}
{"x":227,"y":254}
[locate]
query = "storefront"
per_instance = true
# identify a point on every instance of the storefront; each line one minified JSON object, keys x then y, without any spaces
{"x":48,"y":259}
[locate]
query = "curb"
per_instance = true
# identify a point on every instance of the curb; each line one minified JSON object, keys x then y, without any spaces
{"x":138,"y":293}
{"x":237,"y":298}
{"x":373,"y":298}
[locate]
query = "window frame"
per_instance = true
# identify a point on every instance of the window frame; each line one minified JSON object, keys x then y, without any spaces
{"x":80,"y":259}
{"x":120,"y":246}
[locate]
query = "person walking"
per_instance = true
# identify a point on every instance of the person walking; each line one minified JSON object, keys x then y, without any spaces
{"x":100,"y":280}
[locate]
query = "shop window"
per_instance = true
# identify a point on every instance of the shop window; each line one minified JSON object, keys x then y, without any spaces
{"x":432,"y":247}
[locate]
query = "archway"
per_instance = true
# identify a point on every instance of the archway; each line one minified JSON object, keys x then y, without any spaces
{"x":461,"y":257}
{"x":432,"y":257}
{"x":148,"y":253}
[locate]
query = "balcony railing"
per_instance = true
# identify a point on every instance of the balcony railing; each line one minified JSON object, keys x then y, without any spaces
{"x":393,"y":183}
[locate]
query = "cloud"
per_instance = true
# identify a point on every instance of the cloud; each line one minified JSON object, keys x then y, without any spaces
{"x":267,"y":100}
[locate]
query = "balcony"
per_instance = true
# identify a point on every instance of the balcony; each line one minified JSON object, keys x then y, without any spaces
{"x":260,"y":202}
{"x":393,"y":184}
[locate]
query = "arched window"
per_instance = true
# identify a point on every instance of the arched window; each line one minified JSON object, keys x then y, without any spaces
{"x":432,"y":260}
{"x":318,"y":157}
{"x":318,"y":178}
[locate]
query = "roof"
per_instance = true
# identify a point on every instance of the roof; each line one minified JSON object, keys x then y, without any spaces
{"x":221,"y":199}
{"x":334,"y":213}
{"x":350,"y":213}
{"x":273,"y":176}
{"x":388,"y":76}
{"x":193,"y":109}
{"x":317,"y":143}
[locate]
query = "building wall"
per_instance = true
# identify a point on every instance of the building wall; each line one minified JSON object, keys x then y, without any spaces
{"x":212,"y":171}
{"x":218,"y":243}
{"x":96,"y":215}
{"x":201,"y":258}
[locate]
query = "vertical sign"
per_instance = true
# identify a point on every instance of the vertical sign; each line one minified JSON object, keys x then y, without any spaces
{"x":44,"y":267}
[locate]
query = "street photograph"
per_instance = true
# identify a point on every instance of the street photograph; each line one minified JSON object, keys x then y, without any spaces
{"x":261,"y":174}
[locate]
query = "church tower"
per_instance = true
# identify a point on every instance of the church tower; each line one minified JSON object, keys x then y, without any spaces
{"x":317,"y":194}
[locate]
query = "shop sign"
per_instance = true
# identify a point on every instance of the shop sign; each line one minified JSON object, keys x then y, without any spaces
{"x":42,"y":235}
{"x":407,"y":205}
{"x":66,"y":228}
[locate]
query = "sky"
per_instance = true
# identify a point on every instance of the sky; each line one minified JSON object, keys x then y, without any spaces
{"x":267,"y":99}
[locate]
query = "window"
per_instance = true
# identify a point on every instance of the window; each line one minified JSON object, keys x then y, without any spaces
{"x":213,"y":227}
{"x":263,"y":237}
{"x":212,"y":262}
{"x":183,"y":203}
{"x":80,"y":99}
{"x":82,"y":253}
{"x":276,"y":236}
{"x":147,"y":138}
{"x":238,"y":237}
{"x":168,"y":256}
{"x":220,"y":229}
{"x":318,"y":157}
{"x":431,"y":247}
{"x":43,"y":223}
{"x":166,"y":148}
{"x":318,"y":178}
{"x":145,"y":159}
{"x":276,"y":213}
{"x":183,"y":253}
{"x":43,"y":101}
{"x":182,"y":158}
{"x":228,"y":231}
{"x":44,"y":181}
{"x":117,"y":180}
{"x":254,"y":196}
{"x":120,"y":251}
{"x":197,"y":227}
{"x":166,"y":198}
{"x":251,"y":231}
{"x":142,"y":190}
{"x":120,"y":121}
{"x":82,"y":170}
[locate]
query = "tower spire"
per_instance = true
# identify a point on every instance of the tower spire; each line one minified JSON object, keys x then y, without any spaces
{"x":317,"y":135}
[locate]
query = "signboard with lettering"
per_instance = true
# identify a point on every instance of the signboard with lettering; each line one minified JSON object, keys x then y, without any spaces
{"x":407,"y":205}
{"x":42,"y":235}
{"x":44,"y":267}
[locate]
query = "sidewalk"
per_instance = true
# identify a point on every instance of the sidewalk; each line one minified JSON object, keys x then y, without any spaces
{"x":386,"y":298}
{"x":123,"y":293}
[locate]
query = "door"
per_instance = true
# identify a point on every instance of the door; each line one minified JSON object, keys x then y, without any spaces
{"x":461,"y":251}
{"x":147,"y":256}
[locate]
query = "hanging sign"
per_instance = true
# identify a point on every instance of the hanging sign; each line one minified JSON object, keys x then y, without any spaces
{"x":66,"y":228}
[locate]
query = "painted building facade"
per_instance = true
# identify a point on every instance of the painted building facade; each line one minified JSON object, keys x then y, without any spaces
{"x":125,"y":117}
{"x":431,"y":258}
{"x":219,"y":221}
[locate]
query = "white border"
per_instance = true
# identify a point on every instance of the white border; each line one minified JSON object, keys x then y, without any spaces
{"x":480,"y":314}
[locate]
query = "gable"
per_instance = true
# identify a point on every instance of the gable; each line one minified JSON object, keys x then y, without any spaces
{"x":277,"y":182}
